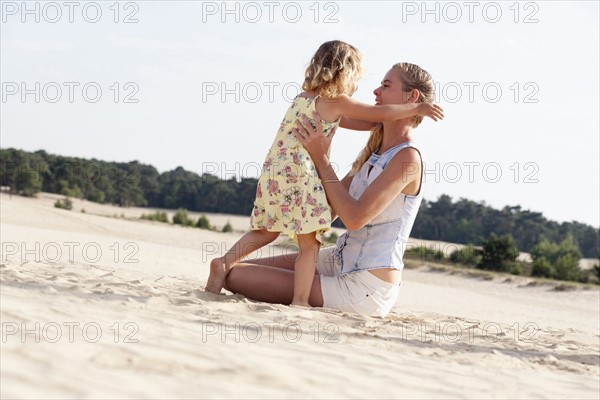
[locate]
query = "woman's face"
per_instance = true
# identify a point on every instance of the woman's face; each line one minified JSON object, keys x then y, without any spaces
{"x":391,"y":90}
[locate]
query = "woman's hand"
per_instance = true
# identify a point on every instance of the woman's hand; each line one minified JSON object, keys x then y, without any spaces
{"x":313,"y":140}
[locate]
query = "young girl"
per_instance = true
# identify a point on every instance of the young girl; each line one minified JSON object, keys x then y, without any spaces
{"x":290,"y":196}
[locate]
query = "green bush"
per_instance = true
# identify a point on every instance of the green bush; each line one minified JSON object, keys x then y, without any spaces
{"x":424,"y":253}
{"x":567,"y":268}
{"x":594,"y":274}
{"x":71,"y":192}
{"x":203,"y":223}
{"x":584,"y":276}
{"x":542,"y":268}
{"x":97,"y":196}
{"x":557,"y":260}
{"x":332,"y":238}
{"x":65,"y":204}
{"x":468,"y":255}
{"x":181,"y":218}
{"x":516,"y":269}
{"x":228,"y":227}
{"x":499,"y":254}
{"x":159,"y":216}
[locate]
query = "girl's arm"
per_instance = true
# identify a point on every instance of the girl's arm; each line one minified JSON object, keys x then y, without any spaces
{"x":356,"y":125}
{"x":350,"y":108}
{"x":402,"y":170}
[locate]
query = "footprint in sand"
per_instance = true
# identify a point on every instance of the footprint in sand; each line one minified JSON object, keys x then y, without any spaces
{"x":262,"y":308}
{"x":50,"y":290}
{"x":183,"y":302}
{"x":206,"y":296}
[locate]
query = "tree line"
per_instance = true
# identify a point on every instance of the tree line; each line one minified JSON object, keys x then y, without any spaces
{"x":558,"y":261}
{"x":136,"y":184}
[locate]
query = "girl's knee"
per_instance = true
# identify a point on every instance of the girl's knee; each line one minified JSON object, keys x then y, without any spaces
{"x":308,"y":240}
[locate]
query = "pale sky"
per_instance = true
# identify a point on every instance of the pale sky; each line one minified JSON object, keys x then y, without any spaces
{"x":519,"y":83}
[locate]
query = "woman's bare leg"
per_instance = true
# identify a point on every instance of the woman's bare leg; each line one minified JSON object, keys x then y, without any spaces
{"x":250,"y":242}
{"x":304,"y":268}
{"x":269,"y":284}
{"x":283,"y":261}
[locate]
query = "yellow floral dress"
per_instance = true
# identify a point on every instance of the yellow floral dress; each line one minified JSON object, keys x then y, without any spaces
{"x":290,"y":197}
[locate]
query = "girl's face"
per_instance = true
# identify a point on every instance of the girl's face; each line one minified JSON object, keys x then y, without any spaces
{"x":392,"y":90}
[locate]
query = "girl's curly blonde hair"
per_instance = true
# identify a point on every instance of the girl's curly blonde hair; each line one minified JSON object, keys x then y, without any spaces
{"x":334,"y":70}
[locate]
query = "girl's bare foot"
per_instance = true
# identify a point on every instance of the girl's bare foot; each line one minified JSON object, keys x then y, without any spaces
{"x":217,"y":276}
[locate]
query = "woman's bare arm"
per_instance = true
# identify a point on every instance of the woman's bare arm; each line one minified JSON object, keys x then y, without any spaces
{"x":403,"y":169}
{"x":346,"y":181}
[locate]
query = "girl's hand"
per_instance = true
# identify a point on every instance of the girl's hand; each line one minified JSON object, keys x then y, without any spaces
{"x":430,"y":110}
{"x":313,"y":141}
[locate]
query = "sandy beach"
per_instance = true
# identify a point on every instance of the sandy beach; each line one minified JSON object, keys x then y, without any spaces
{"x":98,"y":304}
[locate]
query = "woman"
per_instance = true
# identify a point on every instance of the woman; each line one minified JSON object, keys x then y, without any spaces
{"x":377,"y":201}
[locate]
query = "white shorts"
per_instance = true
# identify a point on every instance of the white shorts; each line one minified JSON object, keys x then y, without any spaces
{"x":358,"y":292}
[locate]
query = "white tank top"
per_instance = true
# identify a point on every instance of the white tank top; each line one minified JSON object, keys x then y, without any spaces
{"x":380,"y":243}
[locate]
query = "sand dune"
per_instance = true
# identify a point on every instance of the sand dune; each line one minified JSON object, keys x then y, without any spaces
{"x":93,"y":306}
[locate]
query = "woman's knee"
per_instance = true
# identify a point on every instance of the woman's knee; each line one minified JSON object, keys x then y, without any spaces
{"x":231,"y":280}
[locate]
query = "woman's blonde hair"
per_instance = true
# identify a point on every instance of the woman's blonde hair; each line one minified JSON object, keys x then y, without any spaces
{"x":412,"y":77}
{"x":334,"y":70}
